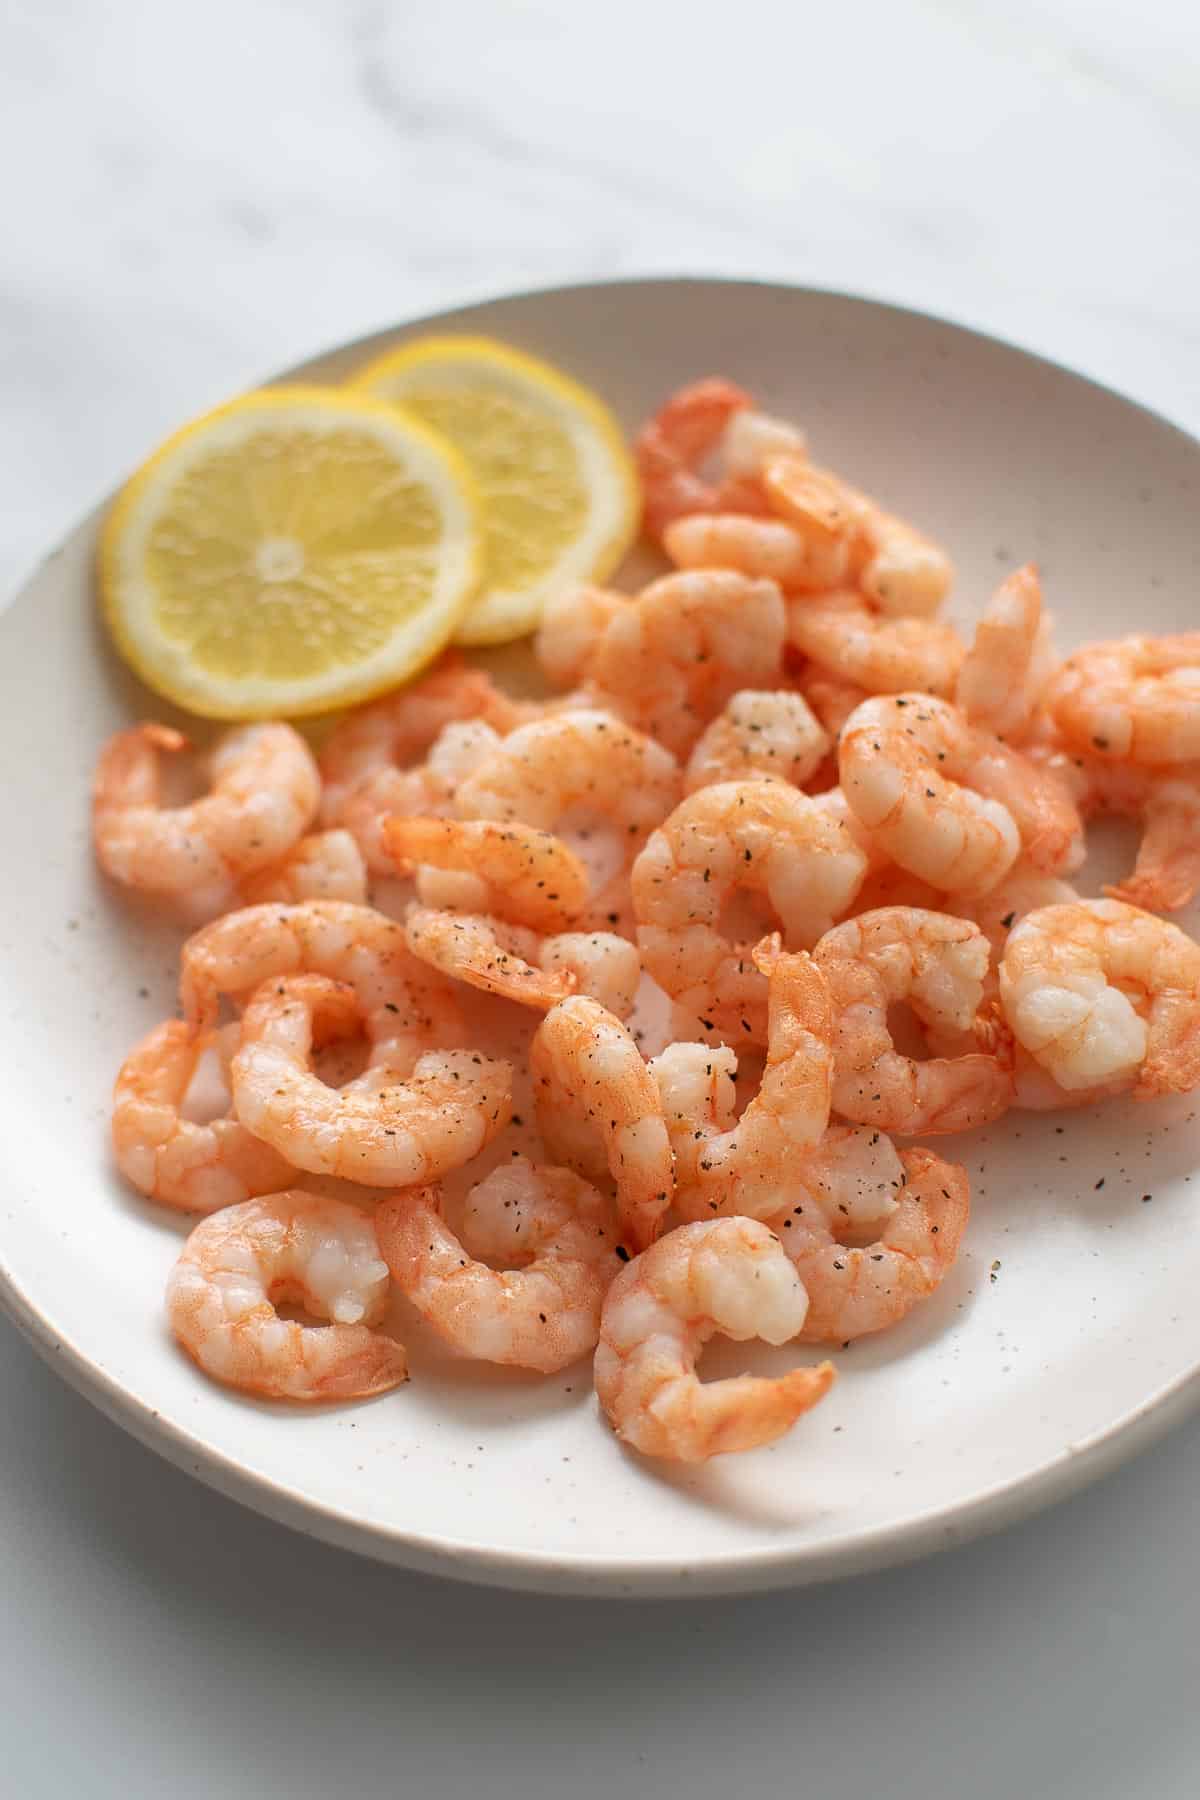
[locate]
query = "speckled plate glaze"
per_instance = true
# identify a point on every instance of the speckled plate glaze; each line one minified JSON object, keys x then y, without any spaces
{"x":1068,"y":1335}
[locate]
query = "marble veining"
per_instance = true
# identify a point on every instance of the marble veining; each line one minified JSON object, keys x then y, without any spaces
{"x":196,"y":196}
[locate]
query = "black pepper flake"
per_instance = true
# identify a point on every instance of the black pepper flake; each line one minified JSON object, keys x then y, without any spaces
{"x":994,"y":1270}
{"x":1098,"y":1185}
{"x":1100,"y":743}
{"x":1146,"y":1199}
{"x":623,"y":1253}
{"x":1007,"y":920}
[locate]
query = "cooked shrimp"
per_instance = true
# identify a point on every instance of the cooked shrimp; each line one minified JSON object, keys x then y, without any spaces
{"x":486,"y":953}
{"x":1133,"y":699}
{"x":898,"y":569}
{"x":925,"y":784}
{"x":514,"y":962}
{"x":844,"y":634}
{"x":387,"y":1128}
{"x":854,"y":1288}
{"x":573,"y":622}
{"x":763,"y":549}
{"x":938,"y":964}
{"x":854,"y":1174}
{"x":752,"y":438}
{"x":177,"y":1161}
{"x":580,"y":759}
{"x":851,"y":1170}
{"x":591,"y":1087}
{"x":1035,"y":1089}
{"x":606,"y":967}
{"x":906,"y":574}
{"x":1099,"y":991}
{"x":265,"y":790}
{"x":748,"y":1167}
{"x":327,"y":865}
{"x":394,"y":733}
{"x":1023,"y":890}
{"x":544,"y":1313}
{"x":586,"y":772}
{"x":727,"y":1275}
{"x":760,"y":733}
{"x":671,"y":446}
{"x":670,"y":660}
{"x":829,"y":531}
{"x":816,"y":502}
{"x":831,"y":697}
{"x":833,"y":803}
{"x":1011,"y":658}
{"x":1166,"y":802}
{"x":1166,"y":875}
{"x":241,"y":1264}
{"x":759,"y":836}
{"x":523,"y":875}
{"x":407,"y":1008}
{"x":1040,"y":802}
{"x":887,"y":885}
{"x":428,"y":789}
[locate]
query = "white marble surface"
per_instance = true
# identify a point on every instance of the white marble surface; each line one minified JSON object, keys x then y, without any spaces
{"x":194,"y":195}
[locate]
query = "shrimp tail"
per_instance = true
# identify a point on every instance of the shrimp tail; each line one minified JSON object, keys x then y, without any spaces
{"x":1172,"y":1065}
{"x":739,"y":1414}
{"x":381,"y":1363}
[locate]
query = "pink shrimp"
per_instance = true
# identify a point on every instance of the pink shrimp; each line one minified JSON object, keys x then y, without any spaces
{"x":670,"y":660}
{"x":855,"y":1288}
{"x":727,"y":1275}
{"x":265,"y":790}
{"x":242,"y":1263}
{"x":1134,"y":699}
{"x":938,"y":964}
{"x":557,"y":1233}
{"x":671,"y":446}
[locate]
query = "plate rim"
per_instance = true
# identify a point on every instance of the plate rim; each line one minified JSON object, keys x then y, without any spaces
{"x":739,"y":1571}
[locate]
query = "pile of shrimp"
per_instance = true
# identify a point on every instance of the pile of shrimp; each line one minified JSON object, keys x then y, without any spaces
{"x":766,"y":800}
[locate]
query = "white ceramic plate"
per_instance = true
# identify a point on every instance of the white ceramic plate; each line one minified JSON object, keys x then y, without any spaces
{"x":1067,"y":1337}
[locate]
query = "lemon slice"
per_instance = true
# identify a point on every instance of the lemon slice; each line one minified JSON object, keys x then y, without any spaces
{"x":559,"y":492}
{"x":291,"y":552}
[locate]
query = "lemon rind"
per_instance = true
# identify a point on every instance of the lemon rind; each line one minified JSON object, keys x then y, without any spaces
{"x":498,"y":615}
{"x":127,"y":598}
